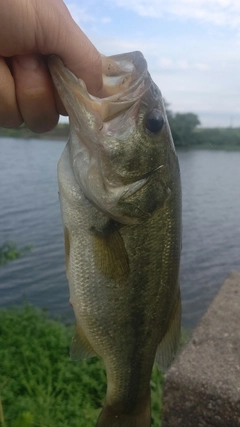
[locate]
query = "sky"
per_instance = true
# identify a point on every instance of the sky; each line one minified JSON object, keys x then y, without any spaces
{"x":192,"y":48}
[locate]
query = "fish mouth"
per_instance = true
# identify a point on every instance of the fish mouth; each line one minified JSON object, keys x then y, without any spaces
{"x":125,"y":80}
{"x":99,"y":124}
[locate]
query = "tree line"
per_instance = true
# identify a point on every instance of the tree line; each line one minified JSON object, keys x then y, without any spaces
{"x":186,"y":132}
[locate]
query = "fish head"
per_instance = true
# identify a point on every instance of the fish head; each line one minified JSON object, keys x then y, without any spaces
{"x":119,"y":141}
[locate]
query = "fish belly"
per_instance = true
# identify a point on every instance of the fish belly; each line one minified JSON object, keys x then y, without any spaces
{"x":123,"y":292}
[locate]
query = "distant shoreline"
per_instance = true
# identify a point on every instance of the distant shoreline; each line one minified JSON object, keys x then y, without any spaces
{"x":211,"y":147}
{"x":216,"y":138}
{"x":60,"y":132}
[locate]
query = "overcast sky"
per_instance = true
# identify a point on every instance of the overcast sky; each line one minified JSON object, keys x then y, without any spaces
{"x":192,"y":48}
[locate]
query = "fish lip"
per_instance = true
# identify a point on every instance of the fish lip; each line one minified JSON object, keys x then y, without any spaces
{"x":73,"y":93}
{"x":58,"y":69}
{"x":64,"y":79}
{"x":109,"y":106}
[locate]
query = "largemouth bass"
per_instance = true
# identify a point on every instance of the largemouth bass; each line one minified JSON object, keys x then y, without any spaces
{"x":120,"y":196}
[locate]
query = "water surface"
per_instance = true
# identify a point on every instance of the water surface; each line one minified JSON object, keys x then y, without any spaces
{"x":30,"y":214}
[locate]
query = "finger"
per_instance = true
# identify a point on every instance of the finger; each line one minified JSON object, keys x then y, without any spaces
{"x":82,"y":58}
{"x":10,"y":116}
{"x":70,"y":43}
{"x":34,"y":92}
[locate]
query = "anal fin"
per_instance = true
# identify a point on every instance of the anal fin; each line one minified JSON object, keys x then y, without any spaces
{"x":168,"y":346}
{"x":80,"y":347}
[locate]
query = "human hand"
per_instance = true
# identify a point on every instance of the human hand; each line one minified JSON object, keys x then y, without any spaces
{"x":30,"y":30}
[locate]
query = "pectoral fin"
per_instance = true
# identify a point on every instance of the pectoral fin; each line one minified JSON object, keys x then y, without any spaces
{"x":110,"y":252}
{"x":80,"y":347}
{"x":170,"y":342}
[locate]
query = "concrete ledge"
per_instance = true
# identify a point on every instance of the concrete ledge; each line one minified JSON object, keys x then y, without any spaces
{"x":202,"y":387}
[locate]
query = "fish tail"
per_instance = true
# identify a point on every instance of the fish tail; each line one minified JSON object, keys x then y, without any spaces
{"x":110,"y":417}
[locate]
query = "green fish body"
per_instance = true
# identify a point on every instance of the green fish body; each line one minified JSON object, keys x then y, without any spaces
{"x":120,"y":195}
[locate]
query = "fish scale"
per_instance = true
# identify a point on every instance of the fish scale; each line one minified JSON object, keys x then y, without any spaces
{"x":120,"y":197}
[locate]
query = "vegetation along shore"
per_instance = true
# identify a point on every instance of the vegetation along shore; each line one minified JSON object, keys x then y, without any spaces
{"x":40,"y":385}
{"x":186,"y":130}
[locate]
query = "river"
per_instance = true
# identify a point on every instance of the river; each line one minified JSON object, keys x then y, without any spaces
{"x":30,"y":214}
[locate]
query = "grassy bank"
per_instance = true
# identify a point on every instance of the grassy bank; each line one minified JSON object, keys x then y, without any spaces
{"x":217,"y":138}
{"x":40,"y":386}
{"x":60,"y":132}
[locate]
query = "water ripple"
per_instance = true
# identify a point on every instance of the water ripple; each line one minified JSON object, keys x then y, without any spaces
{"x":30,"y":214}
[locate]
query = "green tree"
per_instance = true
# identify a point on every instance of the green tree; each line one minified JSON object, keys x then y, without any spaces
{"x":183,"y":127}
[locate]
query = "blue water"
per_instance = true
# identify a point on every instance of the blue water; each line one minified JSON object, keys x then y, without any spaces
{"x":30,"y":214}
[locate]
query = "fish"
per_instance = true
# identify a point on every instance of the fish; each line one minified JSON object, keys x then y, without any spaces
{"x":120,"y":197}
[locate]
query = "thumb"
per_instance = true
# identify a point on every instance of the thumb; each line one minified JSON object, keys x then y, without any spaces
{"x":60,"y":35}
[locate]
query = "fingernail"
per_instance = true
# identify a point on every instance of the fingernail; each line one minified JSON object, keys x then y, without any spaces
{"x":29,"y":62}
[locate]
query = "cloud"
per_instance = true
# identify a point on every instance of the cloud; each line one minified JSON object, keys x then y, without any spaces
{"x":218,"y":12}
{"x":79,"y":14}
{"x":114,"y":45}
{"x":201,"y":66}
{"x":82,"y":16}
{"x":166,"y":63}
{"x":170,"y":64}
{"x":106,"y":20}
{"x":195,"y":70}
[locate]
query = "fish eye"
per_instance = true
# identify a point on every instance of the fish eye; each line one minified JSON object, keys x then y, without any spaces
{"x":155,"y":121}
